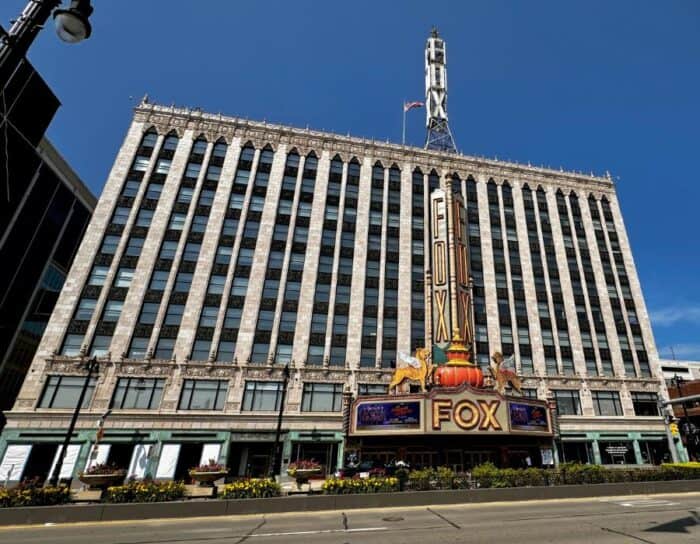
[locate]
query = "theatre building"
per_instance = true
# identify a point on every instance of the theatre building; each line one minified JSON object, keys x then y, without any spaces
{"x":223,"y":249}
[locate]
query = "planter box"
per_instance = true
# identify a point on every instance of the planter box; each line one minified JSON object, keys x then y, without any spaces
{"x":101,"y":481}
{"x":208,"y":478}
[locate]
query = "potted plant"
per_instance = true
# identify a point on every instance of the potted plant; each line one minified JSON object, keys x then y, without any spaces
{"x":102,"y":475}
{"x":208,"y":473}
{"x":303,"y":469}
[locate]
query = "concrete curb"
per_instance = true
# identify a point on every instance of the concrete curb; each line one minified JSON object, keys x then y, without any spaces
{"x":74,"y":513}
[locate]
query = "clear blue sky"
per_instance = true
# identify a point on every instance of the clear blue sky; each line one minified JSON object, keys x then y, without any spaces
{"x":591,"y":85}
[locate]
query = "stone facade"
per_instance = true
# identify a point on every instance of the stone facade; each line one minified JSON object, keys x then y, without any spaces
{"x":191,"y":124}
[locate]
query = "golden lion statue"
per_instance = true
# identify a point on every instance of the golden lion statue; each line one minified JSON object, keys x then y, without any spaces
{"x":418,"y":368}
{"x":503,"y":376}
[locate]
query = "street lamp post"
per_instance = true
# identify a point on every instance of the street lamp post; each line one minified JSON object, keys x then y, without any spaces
{"x":72,"y":26}
{"x":92,"y":366}
{"x":276,"y":454}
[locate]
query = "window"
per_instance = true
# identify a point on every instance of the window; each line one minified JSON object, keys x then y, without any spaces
{"x":216,"y":285}
{"x":134,"y":247}
{"x":200,"y":350}
{"x":177,"y":221}
{"x":140,"y":164}
{"x":138,"y":393}
{"x":260,"y":396}
{"x":163,"y":166}
{"x":230,"y":227}
{"x":174,"y":314}
{"x":109,"y":244}
{"x":226,"y":350}
{"x":322,"y":397}
{"x":72,"y":345}
{"x":219,"y":149}
{"x":149,"y":139}
{"x":100,"y":346}
{"x":232,"y":320}
{"x":371,"y":389}
{"x":284,"y":353}
{"x":199,"y":147}
{"x":208,"y":316}
{"x":203,"y":395}
{"x":124,"y":277}
{"x":191,"y":252}
{"x":153,"y":191}
{"x":568,"y":402}
{"x":85,"y":308}
{"x":143,"y":219}
{"x":606,"y":403}
{"x":206,"y":197}
{"x":192,"y":170}
{"x":170,"y":142}
{"x":167,"y":250}
{"x":223,"y":254}
{"x":645,"y":404}
{"x":98,"y":276}
{"x":265,"y":319}
{"x":164,"y":349}
{"x":199,"y":223}
{"x":183,"y":281}
{"x":149,"y":311}
{"x":64,"y":392}
{"x":159,"y":280}
{"x":138,"y":348}
{"x":239,"y":287}
{"x":113,"y":310}
{"x":184,"y":195}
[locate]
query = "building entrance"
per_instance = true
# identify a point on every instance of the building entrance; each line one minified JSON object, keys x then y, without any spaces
{"x":39,"y":462}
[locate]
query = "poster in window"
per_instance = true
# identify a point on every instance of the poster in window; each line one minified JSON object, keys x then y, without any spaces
{"x":388,"y":415}
{"x":527,"y":417}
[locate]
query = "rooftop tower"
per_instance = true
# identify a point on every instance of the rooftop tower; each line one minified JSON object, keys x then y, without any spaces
{"x":439,"y":135}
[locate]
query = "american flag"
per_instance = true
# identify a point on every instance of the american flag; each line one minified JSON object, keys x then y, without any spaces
{"x":410,"y":105}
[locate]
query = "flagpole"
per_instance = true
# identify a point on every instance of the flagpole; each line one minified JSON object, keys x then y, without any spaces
{"x":403,"y":131}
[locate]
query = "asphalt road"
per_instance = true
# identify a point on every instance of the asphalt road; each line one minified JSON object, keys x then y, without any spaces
{"x":657,"y":519}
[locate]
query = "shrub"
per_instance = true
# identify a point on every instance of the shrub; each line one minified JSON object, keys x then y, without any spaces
{"x":145,"y":491}
{"x":252,"y":488}
{"x":345,"y":486}
{"x":32,"y":494}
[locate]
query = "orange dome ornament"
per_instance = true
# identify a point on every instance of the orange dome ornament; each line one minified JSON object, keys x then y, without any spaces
{"x":459,"y":369}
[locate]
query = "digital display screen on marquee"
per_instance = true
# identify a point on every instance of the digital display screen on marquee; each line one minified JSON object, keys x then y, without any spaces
{"x":388,"y":415}
{"x":526,"y":417}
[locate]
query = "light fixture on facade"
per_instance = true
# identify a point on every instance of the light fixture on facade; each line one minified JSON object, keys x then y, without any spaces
{"x":72,"y":24}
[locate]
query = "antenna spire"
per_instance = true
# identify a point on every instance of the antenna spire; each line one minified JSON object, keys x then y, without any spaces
{"x":439,"y":135}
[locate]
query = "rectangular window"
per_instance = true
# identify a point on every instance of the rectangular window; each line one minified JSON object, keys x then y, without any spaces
{"x":163,"y":166}
{"x":72,"y":345}
{"x":109,"y":244}
{"x":206,"y":197}
{"x":232,"y":320}
{"x":607,"y":403}
{"x":164,"y":349}
{"x":371,"y":389}
{"x":191,"y":252}
{"x":223,"y":254}
{"x":199,"y":223}
{"x":216,"y":285}
{"x":184,"y":195}
{"x":174,"y":314}
{"x":203,"y":395}
{"x":153,"y":191}
{"x":138,"y":348}
{"x":645,"y":404}
{"x":113,"y":310}
{"x":322,"y":397}
{"x":200,"y":350}
{"x":134,"y":247}
{"x":183,"y":281}
{"x":168,"y":250}
{"x":568,"y":402}
{"x":208,"y":316}
{"x":177,"y":221}
{"x":239,"y":287}
{"x":192,"y":170}
{"x":100,"y":346}
{"x":131,"y":188}
{"x":64,"y":392}
{"x":138,"y":393}
{"x":86,"y":307}
{"x":159,"y":280}
{"x":121,"y":215}
{"x":143,"y":219}
{"x":98,"y":276}
{"x":262,"y":396}
{"x":226,"y":351}
{"x":149,"y":311}
{"x":124,"y":277}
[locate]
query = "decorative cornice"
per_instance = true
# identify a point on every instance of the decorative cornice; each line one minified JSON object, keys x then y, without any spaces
{"x":167,"y":117}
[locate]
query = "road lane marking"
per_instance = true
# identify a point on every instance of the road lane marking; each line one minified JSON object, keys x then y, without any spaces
{"x":324,"y":531}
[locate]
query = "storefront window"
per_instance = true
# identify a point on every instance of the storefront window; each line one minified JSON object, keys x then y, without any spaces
{"x":654,"y":452}
{"x":262,"y":396}
{"x":616,"y":453}
{"x":322,"y":397}
{"x":203,"y":395}
{"x":568,"y":402}
{"x":607,"y":403}
{"x":64,"y":392}
{"x":138,"y":393}
{"x":645,"y":404}
{"x":577,"y":452}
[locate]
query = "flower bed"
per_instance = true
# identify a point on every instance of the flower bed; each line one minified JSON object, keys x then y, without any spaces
{"x":252,"y":488}
{"x":145,"y":491}
{"x":341,"y":486}
{"x":32,"y":494}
